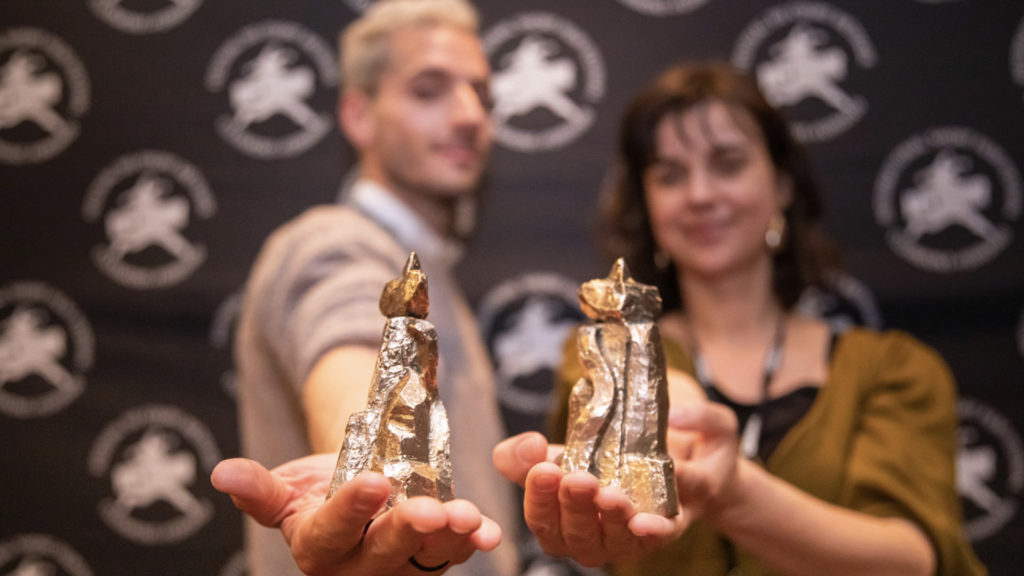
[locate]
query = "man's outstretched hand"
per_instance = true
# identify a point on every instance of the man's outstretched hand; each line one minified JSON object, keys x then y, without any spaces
{"x":331,"y":537}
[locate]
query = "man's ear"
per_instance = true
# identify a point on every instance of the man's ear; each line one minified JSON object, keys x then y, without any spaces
{"x":356,"y":118}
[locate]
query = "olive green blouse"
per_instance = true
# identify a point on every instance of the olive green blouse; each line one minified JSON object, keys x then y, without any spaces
{"x":880,"y":438}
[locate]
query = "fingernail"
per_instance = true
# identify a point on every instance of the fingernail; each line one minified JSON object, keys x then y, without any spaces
{"x":546,"y":483}
{"x":523,"y":451}
{"x":579,"y":492}
{"x":367,"y":500}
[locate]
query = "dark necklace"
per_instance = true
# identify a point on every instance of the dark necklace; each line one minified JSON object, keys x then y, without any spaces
{"x":750,"y":437}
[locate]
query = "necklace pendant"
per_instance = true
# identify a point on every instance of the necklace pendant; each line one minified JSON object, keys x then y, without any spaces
{"x":751,"y":438}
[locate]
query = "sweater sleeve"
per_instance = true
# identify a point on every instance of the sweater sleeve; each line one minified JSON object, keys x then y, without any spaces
{"x":317,"y":285}
{"x":902,"y":460}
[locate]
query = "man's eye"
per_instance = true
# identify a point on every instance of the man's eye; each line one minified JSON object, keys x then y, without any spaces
{"x":427,"y":91}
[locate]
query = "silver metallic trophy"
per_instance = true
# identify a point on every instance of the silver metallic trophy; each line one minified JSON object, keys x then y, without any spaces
{"x":403,"y":433}
{"x":618,"y":410}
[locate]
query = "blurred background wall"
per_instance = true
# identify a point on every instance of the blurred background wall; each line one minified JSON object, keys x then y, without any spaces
{"x":147,"y":147}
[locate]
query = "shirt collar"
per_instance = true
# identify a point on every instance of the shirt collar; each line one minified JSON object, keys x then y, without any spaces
{"x":406,"y":225}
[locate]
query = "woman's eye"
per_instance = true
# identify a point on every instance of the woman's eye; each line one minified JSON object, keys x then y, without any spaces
{"x":729,"y":164}
{"x":667,"y":176}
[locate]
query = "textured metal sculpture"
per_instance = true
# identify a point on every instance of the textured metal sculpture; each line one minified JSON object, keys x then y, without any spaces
{"x":618,"y":410}
{"x":403,"y":433}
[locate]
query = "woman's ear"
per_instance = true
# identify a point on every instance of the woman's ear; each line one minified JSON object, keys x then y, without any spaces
{"x":784,"y":190}
{"x":355,"y":118}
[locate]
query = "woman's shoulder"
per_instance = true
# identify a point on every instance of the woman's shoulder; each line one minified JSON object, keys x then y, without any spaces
{"x":893,"y":359}
{"x":895,"y":343}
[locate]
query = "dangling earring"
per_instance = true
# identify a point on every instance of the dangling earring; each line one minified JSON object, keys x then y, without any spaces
{"x":776,"y":233}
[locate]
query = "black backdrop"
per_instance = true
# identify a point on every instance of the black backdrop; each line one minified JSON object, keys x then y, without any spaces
{"x":140,"y":172}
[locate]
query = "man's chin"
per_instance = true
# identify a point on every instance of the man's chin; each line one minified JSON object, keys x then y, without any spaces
{"x":457,"y":186}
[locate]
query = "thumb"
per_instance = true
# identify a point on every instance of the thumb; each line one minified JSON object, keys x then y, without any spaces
{"x":252,"y":488}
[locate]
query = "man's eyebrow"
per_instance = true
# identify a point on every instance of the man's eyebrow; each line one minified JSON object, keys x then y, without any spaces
{"x":431,"y":72}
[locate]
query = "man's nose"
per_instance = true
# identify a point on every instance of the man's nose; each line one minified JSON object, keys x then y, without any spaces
{"x":468,"y":107}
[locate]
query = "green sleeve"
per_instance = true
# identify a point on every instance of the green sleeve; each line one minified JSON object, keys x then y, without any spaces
{"x":902,"y":460}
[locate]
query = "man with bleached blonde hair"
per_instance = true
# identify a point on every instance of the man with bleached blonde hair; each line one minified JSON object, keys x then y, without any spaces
{"x":415,"y":106}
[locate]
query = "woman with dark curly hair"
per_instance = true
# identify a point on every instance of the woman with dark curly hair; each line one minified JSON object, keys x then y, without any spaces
{"x":797,"y":450}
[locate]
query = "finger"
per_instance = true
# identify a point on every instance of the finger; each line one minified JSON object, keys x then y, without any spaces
{"x":616,"y":510}
{"x":334,"y":532}
{"x":541,"y":508}
{"x":453,"y":544}
{"x":581,"y":523}
{"x":515,"y":456}
{"x":487,"y":536}
{"x":343,"y":517}
{"x":253,"y":489}
{"x":693,"y":483}
{"x":709,"y":418}
{"x":680,"y":444}
{"x":398,"y":534}
{"x":654,"y":530}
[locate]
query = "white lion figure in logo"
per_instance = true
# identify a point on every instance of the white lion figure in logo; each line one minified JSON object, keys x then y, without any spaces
{"x":531,"y":79}
{"x":801,"y":68}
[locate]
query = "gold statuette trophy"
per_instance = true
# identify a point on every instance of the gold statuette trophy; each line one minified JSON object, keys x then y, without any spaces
{"x":618,"y":410}
{"x":403,"y":433}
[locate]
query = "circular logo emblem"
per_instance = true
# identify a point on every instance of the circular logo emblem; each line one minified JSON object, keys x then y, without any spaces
{"x":548,"y":77}
{"x":147,"y":201}
{"x":275,"y":76}
{"x":154,"y":457}
{"x":46,"y":347}
{"x":525,"y":322}
{"x":40,"y":555}
{"x":1017,"y":56}
{"x":663,"y":7}
{"x":161,"y":16}
{"x":989,"y":469}
{"x":44,"y":91}
{"x":948,"y":199}
{"x":222,"y":335}
{"x":849,"y":303}
{"x":803,"y":54}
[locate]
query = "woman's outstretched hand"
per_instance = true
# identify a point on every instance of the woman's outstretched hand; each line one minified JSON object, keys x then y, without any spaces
{"x":571,"y":515}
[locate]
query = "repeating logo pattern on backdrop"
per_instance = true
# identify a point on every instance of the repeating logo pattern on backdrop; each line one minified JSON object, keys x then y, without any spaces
{"x":548,"y":76}
{"x":848,"y":303}
{"x":160,"y":17}
{"x":46,"y":348}
{"x":948,"y":199}
{"x":525,"y":322}
{"x":44,"y":92}
{"x":989,"y":470}
{"x":802,"y":55}
{"x":274,"y":74}
{"x":146,"y":202}
{"x":41,"y":555}
{"x":663,"y":7}
{"x":154,"y":456}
